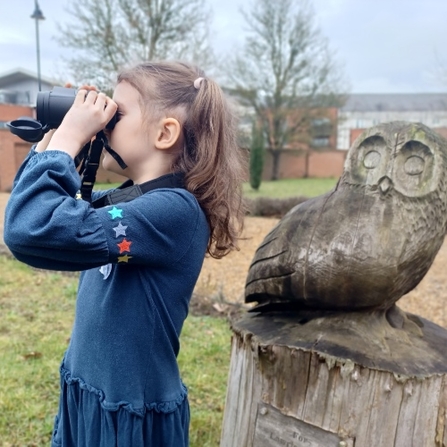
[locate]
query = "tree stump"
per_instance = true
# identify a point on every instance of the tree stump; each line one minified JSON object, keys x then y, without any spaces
{"x":330,"y":360}
{"x":336,"y":380}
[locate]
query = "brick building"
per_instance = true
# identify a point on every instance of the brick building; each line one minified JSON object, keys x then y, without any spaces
{"x":18,"y":92}
{"x":325,"y":154}
{"x":12,"y":149}
{"x":315,"y":156}
{"x":322,"y":155}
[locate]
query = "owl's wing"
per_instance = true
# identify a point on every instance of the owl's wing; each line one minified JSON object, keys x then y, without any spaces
{"x":277,"y":275}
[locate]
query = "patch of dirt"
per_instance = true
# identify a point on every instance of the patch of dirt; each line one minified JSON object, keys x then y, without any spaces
{"x":222,"y":281}
{"x":220,"y":288}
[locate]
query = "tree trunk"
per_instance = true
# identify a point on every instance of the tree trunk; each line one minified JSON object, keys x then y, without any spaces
{"x":276,"y":155}
{"x":306,"y":165}
{"x":338,"y":380}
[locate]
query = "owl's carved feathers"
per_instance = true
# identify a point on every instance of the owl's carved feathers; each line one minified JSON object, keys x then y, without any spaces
{"x":370,"y":240}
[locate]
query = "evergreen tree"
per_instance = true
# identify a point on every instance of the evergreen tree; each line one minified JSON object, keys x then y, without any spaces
{"x":256,"y":156}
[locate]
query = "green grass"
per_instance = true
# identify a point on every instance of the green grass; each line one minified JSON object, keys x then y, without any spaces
{"x":101,"y":186}
{"x":37,"y":311}
{"x":204,"y":361}
{"x":307,"y":187}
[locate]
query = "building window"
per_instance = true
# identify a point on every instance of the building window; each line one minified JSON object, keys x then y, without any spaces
{"x":20,"y":97}
{"x":318,"y":122}
{"x":321,"y":132}
{"x":320,"y":142}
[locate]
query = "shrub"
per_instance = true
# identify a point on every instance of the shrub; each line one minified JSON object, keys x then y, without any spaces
{"x":271,"y":207}
{"x":256,"y":157}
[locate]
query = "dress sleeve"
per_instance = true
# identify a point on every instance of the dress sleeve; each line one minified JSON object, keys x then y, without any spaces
{"x":47,"y":227}
{"x":31,"y":153}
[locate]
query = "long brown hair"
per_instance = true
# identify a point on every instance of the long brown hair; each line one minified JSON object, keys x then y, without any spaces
{"x":211,"y":159}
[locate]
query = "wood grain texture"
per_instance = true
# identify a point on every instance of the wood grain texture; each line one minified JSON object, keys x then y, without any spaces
{"x":371,"y":239}
{"x":363,"y":405}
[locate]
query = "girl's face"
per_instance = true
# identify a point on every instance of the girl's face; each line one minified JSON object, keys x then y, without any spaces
{"x":130,"y":138}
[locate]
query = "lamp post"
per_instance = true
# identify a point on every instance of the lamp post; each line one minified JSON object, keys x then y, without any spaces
{"x":37,"y":15}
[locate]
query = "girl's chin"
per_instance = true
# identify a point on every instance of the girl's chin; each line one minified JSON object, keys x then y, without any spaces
{"x":109,"y":163}
{"x":105,"y":163}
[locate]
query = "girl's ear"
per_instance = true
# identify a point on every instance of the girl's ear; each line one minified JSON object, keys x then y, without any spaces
{"x":168,"y":133}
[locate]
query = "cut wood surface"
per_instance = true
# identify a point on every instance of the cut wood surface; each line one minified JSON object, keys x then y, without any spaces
{"x":356,"y":400}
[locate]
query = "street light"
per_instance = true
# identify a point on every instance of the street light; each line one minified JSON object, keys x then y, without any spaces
{"x":37,"y":15}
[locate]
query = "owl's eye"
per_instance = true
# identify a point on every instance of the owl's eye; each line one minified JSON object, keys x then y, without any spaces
{"x":371,"y":160}
{"x":414,"y":165}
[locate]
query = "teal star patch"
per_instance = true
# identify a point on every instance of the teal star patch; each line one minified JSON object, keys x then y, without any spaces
{"x":116,"y":212}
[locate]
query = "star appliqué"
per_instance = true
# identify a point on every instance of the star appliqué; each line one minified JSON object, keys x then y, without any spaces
{"x":124,"y":245}
{"x":116,"y":212}
{"x":124,"y":258}
{"x":120,"y":230}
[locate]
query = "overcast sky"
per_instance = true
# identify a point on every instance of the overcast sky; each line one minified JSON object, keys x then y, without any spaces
{"x":385,"y":46}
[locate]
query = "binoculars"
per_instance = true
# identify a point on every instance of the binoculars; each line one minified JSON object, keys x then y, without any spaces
{"x":51,"y":107}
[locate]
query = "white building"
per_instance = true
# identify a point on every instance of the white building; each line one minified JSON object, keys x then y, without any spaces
{"x":362,"y":111}
{"x":20,"y":87}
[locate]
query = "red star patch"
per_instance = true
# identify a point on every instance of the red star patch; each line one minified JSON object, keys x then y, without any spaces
{"x":124,"y":246}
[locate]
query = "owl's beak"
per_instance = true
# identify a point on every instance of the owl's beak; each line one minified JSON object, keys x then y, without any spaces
{"x":385,"y":184}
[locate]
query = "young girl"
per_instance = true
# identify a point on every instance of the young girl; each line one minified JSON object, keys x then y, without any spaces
{"x":140,"y":258}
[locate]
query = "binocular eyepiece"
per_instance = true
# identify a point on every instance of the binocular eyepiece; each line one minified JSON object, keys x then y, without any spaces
{"x":51,"y":107}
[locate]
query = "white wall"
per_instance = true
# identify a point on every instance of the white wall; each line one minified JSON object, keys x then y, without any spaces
{"x":363,"y":120}
{"x":27,"y":90}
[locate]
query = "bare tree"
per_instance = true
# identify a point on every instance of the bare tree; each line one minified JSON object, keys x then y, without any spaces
{"x":109,"y":34}
{"x":439,"y":70}
{"x":285,"y":71}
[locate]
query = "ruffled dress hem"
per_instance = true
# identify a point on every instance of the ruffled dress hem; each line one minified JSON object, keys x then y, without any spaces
{"x":159,"y":407}
{"x":87,"y":419}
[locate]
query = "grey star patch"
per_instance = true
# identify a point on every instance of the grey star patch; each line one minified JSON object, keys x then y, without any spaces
{"x":120,"y":230}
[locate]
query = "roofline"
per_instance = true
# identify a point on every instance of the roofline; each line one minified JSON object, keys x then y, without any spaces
{"x":27,"y":73}
{"x":397,"y":94}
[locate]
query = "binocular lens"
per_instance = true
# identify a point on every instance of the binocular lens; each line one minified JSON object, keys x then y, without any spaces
{"x":52,"y":106}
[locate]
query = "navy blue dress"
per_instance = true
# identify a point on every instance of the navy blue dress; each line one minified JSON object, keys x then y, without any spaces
{"x":140,"y":260}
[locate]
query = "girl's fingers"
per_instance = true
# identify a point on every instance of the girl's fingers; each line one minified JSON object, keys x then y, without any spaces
{"x":110,"y":108}
{"x":101,"y":100}
{"x":88,"y":87}
{"x":80,"y":96}
{"x":90,"y":107}
{"x":91,"y":97}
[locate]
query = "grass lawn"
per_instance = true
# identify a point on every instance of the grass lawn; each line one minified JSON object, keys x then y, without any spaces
{"x":307,"y":187}
{"x":37,"y":311}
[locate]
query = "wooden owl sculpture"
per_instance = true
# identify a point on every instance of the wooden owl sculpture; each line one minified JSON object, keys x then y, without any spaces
{"x":369,"y":241}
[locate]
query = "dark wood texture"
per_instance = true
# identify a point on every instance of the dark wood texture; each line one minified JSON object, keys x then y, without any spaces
{"x":369,"y":241}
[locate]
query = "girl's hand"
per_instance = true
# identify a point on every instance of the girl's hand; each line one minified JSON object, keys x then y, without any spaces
{"x":90,"y":113}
